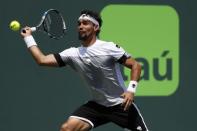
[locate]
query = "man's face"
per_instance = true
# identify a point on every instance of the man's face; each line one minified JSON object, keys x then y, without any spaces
{"x":86,"y":29}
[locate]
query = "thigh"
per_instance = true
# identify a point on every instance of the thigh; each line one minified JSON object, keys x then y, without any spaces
{"x":130,"y":119}
{"x":91,"y":112}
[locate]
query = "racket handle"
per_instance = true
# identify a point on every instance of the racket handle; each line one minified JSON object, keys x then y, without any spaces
{"x":33,"y":29}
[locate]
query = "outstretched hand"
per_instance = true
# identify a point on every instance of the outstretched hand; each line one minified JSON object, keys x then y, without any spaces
{"x":128,"y":99}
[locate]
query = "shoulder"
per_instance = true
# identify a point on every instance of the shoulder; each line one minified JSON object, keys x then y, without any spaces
{"x":112,"y":47}
{"x":107,"y":44}
{"x":70,"y":51}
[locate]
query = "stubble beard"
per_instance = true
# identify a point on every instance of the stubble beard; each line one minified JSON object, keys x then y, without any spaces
{"x":82,"y":37}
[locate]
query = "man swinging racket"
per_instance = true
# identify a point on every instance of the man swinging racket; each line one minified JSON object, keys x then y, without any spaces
{"x":97,"y":62}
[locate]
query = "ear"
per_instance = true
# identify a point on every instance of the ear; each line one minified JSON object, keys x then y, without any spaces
{"x":96,"y":27}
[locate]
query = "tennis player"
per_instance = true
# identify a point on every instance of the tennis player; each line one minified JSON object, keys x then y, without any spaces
{"x":97,"y":62}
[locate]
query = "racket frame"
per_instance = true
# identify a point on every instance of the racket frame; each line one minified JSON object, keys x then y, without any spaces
{"x":38,"y":27}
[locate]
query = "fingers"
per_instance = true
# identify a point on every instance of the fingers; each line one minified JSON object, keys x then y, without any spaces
{"x":128,"y":99}
{"x":127,"y":105}
{"x":124,"y":101}
{"x":26,"y":31}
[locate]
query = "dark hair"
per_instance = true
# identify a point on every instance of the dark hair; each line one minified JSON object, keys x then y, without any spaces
{"x":95,"y":15}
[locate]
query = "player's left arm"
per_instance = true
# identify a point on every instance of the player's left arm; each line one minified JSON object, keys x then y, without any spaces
{"x":135,"y":68}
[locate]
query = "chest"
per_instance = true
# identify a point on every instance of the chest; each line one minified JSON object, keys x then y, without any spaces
{"x":92,"y":60}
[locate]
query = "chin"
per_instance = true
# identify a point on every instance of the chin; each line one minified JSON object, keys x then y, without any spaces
{"x":82,"y":37}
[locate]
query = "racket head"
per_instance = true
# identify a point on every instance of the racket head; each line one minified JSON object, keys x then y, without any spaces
{"x":53,"y":24}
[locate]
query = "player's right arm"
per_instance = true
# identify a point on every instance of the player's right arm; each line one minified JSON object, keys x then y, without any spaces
{"x":41,"y":59}
{"x":38,"y":55}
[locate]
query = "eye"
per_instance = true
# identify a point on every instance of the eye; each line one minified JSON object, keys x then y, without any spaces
{"x":78,"y":23}
{"x":85,"y":22}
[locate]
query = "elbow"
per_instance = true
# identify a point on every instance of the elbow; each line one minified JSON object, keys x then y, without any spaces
{"x":41,"y":62}
{"x":139,"y":67}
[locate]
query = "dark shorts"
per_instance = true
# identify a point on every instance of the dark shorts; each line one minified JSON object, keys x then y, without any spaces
{"x":96,"y":115}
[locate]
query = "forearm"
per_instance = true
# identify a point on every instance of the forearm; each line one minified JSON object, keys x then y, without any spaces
{"x":33,"y":48}
{"x":134,"y":77}
{"x":42,"y":59}
{"x":37,"y":54}
{"x":135,"y":68}
{"x":135,"y":72}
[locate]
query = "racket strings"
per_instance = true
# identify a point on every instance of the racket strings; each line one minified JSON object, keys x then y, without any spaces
{"x":54,"y":24}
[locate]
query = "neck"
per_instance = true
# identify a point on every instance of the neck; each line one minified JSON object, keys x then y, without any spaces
{"x":89,"y":41}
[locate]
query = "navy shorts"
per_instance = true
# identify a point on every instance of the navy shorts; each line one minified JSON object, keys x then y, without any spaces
{"x":96,"y":115}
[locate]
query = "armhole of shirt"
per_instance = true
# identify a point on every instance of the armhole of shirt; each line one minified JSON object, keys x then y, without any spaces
{"x":123,"y":58}
{"x":59,"y":60}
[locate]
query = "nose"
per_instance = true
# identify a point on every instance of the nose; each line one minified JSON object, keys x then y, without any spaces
{"x":79,"y":25}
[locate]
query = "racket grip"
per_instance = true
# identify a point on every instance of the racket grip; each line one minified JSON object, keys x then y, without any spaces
{"x":33,"y":29}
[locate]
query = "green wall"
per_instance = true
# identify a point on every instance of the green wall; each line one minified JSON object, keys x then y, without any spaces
{"x":37,"y":98}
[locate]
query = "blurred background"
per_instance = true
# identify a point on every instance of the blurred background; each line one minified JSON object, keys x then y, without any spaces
{"x":37,"y":98}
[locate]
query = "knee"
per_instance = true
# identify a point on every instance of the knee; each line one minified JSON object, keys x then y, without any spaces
{"x":73,"y":125}
{"x":66,"y":127}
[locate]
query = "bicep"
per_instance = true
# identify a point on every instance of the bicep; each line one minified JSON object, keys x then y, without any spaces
{"x":129,"y":62}
{"x":49,"y":60}
{"x":42,"y":59}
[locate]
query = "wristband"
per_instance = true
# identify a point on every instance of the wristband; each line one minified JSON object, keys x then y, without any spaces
{"x":29,"y":40}
{"x":132,"y":86}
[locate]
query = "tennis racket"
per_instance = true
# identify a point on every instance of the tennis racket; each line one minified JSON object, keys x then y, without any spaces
{"x":51,"y":23}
